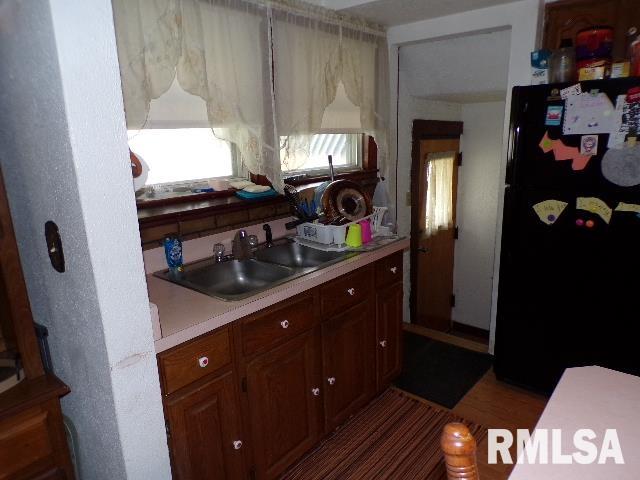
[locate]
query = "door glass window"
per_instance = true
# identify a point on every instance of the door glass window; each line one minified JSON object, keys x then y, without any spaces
{"x":439,"y":197}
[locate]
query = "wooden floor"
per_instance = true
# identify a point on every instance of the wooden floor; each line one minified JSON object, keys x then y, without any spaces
{"x":493,"y":404}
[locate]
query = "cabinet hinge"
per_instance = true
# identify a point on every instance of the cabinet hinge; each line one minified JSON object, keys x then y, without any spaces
{"x":243,"y":384}
{"x":456,"y":233}
{"x":166,"y":429}
{"x":453,"y":300}
{"x":459,"y":159}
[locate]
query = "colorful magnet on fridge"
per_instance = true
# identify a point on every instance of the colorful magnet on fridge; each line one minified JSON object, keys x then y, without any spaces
{"x":580,"y":222}
{"x":548,"y":211}
{"x":589,"y":145}
{"x":554,"y":115}
{"x":590,"y":224}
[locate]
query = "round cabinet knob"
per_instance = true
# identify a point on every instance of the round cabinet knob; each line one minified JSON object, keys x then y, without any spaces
{"x":383,"y":343}
{"x":315,"y":391}
{"x":393,"y":269}
{"x":203,"y":362}
{"x":351,"y":291}
{"x":284,"y":323}
{"x":237,"y":444}
{"x":331,"y":380}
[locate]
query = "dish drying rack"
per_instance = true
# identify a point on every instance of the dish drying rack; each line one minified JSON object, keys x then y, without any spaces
{"x":332,"y":237}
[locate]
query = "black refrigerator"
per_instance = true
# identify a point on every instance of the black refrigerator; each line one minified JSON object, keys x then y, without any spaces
{"x":569,"y":284}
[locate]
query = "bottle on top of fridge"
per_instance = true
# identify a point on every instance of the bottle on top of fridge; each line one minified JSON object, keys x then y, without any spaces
{"x":562,"y":65}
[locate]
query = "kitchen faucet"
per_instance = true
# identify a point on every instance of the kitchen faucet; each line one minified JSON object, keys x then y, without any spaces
{"x":269,"y":236}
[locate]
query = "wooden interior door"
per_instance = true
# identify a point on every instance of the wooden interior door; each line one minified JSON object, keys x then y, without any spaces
{"x":348,"y":362}
{"x":434,"y":289}
{"x":285,"y":403}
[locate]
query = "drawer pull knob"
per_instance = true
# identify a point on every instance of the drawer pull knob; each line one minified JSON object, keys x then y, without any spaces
{"x":203,"y":362}
{"x":383,"y":343}
{"x":331,"y":380}
{"x":393,"y":269}
{"x":315,"y":391}
{"x":237,"y":444}
{"x":285,"y":323}
{"x":351,"y":291}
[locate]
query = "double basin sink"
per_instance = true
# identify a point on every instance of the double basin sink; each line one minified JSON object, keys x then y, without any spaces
{"x":237,"y":279}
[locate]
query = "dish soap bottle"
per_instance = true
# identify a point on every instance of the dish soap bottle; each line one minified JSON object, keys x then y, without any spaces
{"x":562,"y":65}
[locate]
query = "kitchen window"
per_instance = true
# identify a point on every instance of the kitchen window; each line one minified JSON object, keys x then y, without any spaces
{"x":345,"y":149}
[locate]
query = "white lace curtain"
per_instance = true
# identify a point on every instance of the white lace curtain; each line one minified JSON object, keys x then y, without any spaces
{"x":439,"y":197}
{"x":220,"y":50}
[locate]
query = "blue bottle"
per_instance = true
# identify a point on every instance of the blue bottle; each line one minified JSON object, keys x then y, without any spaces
{"x":173,"y":253}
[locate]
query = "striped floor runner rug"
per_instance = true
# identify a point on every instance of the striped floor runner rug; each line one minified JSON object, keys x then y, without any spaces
{"x":394,"y":437}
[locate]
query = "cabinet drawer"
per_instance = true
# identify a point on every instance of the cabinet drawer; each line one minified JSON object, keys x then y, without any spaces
{"x":389,"y":269}
{"x":346,"y":291}
{"x":189,"y":362}
{"x":268,"y":328}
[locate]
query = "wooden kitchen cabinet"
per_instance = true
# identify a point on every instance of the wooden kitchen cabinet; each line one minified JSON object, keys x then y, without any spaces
{"x":388,"y":334}
{"x":204,"y":432}
{"x":285,"y":403}
{"x":564,"y":18}
{"x":348,"y":362}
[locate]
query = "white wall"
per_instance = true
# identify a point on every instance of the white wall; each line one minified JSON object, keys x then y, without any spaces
{"x":63,"y":151}
{"x":523,"y":18}
{"x":477,"y":211}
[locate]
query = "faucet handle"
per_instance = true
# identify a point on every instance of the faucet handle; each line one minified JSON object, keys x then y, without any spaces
{"x":252,"y":240}
{"x":218,"y":250}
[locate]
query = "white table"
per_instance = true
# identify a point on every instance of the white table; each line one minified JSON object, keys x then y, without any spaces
{"x":598,"y":399}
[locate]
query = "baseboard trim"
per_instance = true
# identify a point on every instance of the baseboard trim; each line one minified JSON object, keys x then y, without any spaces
{"x":470,"y":330}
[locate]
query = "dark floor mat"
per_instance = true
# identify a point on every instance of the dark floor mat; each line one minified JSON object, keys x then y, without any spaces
{"x":440,"y":372}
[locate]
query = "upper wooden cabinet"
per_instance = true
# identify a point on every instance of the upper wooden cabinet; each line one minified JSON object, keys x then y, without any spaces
{"x":563,"y":19}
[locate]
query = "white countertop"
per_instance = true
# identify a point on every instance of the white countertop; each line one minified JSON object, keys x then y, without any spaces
{"x":184,"y":314}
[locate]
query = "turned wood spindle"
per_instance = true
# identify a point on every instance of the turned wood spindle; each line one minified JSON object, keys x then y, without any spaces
{"x":459,"y":449}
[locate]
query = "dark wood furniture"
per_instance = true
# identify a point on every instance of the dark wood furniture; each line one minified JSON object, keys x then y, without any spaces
{"x":279,"y":380}
{"x":564,"y":18}
{"x":32,"y":438}
{"x":459,"y":449}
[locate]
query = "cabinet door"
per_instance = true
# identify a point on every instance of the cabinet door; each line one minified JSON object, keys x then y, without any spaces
{"x":285,"y":403}
{"x":388,"y":334}
{"x":348,"y":362}
{"x":204,"y":431}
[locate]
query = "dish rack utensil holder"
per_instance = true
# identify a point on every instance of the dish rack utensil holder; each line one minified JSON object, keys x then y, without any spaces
{"x":336,"y":234}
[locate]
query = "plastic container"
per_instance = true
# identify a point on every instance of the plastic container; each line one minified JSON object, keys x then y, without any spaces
{"x":562,"y":64}
{"x":594,"y":43}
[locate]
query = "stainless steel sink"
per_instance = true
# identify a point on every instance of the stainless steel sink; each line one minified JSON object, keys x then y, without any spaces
{"x":294,"y":255}
{"x":231,"y":280}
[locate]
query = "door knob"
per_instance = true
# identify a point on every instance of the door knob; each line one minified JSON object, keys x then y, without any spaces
{"x":284,"y":323}
{"x":383,"y":343}
{"x":315,"y":391}
{"x":393,"y":269}
{"x":203,"y":362}
{"x":351,"y":291}
{"x":237,"y":444}
{"x":331,"y":380}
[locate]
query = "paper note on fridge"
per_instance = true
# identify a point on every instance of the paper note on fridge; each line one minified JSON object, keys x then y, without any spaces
{"x":595,"y":205}
{"x":628,"y":207}
{"x":588,"y":114}
{"x":548,"y":211}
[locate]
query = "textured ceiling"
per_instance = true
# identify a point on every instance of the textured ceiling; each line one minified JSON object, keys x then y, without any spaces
{"x":466,"y":69}
{"x":398,"y":12}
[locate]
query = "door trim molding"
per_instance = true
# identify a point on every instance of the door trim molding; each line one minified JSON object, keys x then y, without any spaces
{"x":422,"y":130}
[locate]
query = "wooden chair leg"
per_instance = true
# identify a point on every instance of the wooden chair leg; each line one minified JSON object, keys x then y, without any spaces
{"x":459,"y":449}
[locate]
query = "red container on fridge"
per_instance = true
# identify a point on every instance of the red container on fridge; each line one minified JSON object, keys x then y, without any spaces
{"x":594,"y":43}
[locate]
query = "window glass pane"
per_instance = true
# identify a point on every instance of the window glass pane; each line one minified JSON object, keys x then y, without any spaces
{"x":181,"y":154}
{"x":342,"y":146}
{"x":439,"y":192}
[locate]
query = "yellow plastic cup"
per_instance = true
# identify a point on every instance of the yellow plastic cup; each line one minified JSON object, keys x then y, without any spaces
{"x":354,"y":236}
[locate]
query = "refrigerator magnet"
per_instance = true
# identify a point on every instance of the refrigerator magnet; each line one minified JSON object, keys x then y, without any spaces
{"x":589,"y":145}
{"x":554,"y":116}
